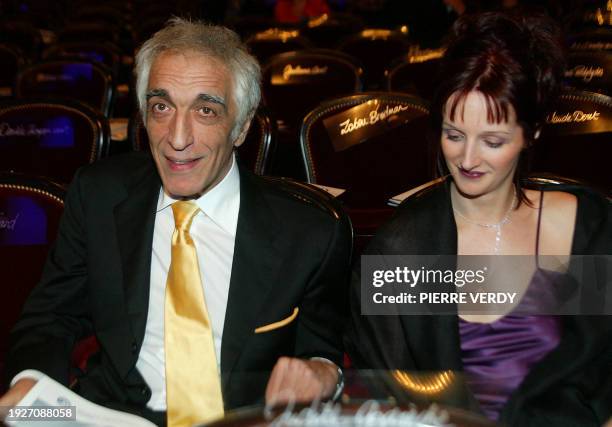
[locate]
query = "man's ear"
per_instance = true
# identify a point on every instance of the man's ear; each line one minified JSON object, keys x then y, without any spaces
{"x":243,"y":132}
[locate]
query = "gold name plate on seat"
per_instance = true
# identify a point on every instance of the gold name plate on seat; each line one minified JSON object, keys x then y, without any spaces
{"x":369,"y":119}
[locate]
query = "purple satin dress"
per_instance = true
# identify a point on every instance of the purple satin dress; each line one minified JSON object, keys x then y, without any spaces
{"x":498,"y":356}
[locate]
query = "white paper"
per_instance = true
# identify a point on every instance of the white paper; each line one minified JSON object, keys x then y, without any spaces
{"x":48,"y":392}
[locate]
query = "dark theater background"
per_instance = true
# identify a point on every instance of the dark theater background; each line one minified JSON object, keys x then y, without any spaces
{"x":67,"y":98}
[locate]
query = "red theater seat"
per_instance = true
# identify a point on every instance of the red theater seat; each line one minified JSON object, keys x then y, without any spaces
{"x":30,"y":209}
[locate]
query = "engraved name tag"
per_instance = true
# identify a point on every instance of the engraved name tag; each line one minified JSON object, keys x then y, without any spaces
{"x":23,"y":222}
{"x":372,"y":118}
{"x":296,"y":74}
{"x":585,"y":72}
{"x":56,"y":132}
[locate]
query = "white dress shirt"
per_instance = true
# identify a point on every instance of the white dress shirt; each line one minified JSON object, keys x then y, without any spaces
{"x":214,"y":232}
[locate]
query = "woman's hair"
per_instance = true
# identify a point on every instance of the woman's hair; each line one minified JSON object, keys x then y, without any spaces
{"x":221,"y":43}
{"x":513,"y":60}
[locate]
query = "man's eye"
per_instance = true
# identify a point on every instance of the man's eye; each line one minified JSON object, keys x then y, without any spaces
{"x":206,"y":111}
{"x":159,"y":107}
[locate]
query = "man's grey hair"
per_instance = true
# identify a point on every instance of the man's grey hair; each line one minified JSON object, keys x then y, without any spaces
{"x":221,"y":43}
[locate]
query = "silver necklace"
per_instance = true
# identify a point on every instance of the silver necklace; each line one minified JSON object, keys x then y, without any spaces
{"x":496,"y":226}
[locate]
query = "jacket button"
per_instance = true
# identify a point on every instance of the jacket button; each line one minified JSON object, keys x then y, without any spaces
{"x":134,"y":347}
{"x":144,"y":390}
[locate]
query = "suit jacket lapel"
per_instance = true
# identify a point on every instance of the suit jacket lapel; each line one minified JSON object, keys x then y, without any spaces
{"x":254,"y":270}
{"x":135,"y":220}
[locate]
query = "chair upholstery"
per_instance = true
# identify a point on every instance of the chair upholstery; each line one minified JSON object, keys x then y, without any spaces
{"x":92,"y":32}
{"x":106,"y":22}
{"x":310,"y":194}
{"x":12,"y":61}
{"x":414,"y":73}
{"x":591,"y":40}
{"x":258,"y":148}
{"x":36,"y":13}
{"x":87,"y":82}
{"x":147,"y":26}
{"x":137,"y":134}
{"x":23,"y":35}
{"x":248,"y":25}
{"x":590,"y":70}
{"x":30,"y":210}
{"x":537,"y":180}
{"x":533,"y":181}
{"x":594,"y":16}
{"x":376,"y":49}
{"x":314,"y":196}
{"x":273,"y":41}
{"x":49,"y":138}
{"x":576,"y":140}
{"x":152,"y":16}
{"x":373,"y":145}
{"x":103,"y":53}
{"x":255,"y":153}
{"x":296,"y":82}
{"x":107,"y":14}
{"x":324,"y":31}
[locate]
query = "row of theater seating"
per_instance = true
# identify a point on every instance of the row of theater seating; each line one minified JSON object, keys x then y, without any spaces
{"x":92,"y":65}
{"x":32,"y":23}
{"x":373,"y":145}
{"x":128,"y":23}
{"x":53,"y":138}
{"x":382,"y":58}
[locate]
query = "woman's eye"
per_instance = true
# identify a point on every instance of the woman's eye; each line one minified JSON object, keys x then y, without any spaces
{"x":452,"y":136}
{"x":494,"y":144}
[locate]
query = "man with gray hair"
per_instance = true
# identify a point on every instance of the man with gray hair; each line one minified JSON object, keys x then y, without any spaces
{"x":206,"y":287}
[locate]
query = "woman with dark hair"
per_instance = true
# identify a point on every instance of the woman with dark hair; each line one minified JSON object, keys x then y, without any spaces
{"x":498,"y":76}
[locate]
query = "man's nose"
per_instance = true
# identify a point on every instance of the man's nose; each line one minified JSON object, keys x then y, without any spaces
{"x":180,"y":133}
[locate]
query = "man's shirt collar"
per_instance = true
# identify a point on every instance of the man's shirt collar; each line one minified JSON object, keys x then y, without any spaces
{"x":221,"y":203}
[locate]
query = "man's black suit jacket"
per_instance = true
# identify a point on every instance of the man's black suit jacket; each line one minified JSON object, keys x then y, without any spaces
{"x":96,"y":281}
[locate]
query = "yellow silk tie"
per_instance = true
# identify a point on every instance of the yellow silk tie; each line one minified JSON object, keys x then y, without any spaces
{"x":193,"y":387}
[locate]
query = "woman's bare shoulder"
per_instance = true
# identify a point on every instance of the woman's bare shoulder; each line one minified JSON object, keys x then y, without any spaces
{"x":553,"y":200}
{"x":560,"y":207}
{"x":558,"y":221}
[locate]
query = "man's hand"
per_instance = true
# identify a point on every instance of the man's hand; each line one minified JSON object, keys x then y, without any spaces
{"x":16,"y":393}
{"x":300,"y":380}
